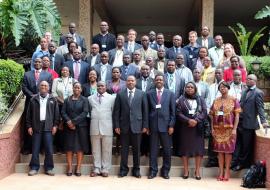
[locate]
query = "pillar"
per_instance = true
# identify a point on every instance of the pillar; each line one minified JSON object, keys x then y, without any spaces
{"x":207,"y":18}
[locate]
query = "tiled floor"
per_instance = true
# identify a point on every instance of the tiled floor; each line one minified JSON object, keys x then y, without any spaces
{"x":62,"y":182}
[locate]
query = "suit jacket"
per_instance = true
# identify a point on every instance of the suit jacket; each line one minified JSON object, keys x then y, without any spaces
{"x":136,"y":46}
{"x":79,"y":40}
{"x":112,"y":53}
{"x":132,"y":70}
{"x":252,"y":105}
{"x":130,"y":118}
{"x":108,"y":73}
{"x":83,"y":71}
{"x":86,"y":88}
{"x":101,"y":114}
{"x":58,"y":62}
{"x":110,"y":42}
{"x":155,"y":47}
{"x":88,"y":59}
{"x":170,"y":54}
{"x":211,"y":41}
{"x":165,"y":65}
{"x":109,"y":84}
{"x":179,"y":86}
{"x":150,"y":84}
{"x":162,"y":118}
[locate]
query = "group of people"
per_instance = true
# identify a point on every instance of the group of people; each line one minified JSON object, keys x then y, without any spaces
{"x":147,"y":95}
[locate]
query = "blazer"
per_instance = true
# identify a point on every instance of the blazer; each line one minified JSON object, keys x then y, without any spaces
{"x":211,"y":41}
{"x":252,"y":105}
{"x":160,"y":119}
{"x":170,"y":54}
{"x":89,"y":58}
{"x":86,"y":90}
{"x":108,"y":74}
{"x":136,"y":46}
{"x":83,"y":71}
{"x":112,"y":53}
{"x":165,"y":65}
{"x":132,"y":70}
{"x":58,"y":62}
{"x":155,"y":47}
{"x":109,"y":84}
{"x":101,"y":114}
{"x":150,"y":84}
{"x":134,"y":117}
{"x":77,"y":113}
{"x":179,"y":86}
{"x":110,"y":42}
{"x":33,"y":114}
{"x":79,"y":40}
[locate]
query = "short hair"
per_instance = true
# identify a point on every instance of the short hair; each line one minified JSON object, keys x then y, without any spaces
{"x":71,"y":43}
{"x":224,"y":83}
{"x":77,"y":83}
{"x":193,"y":32}
{"x":203,"y":47}
{"x":131,"y":29}
{"x":117,"y":68}
{"x":159,"y":74}
{"x":235,"y":56}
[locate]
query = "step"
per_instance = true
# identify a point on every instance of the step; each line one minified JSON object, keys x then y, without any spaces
{"x":176,"y":171}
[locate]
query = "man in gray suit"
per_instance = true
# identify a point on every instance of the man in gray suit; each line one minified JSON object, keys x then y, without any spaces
{"x":103,"y":69}
{"x":94,"y":57}
{"x":130,"y":117}
{"x":128,"y":68}
{"x":205,"y":40}
{"x":101,"y":129}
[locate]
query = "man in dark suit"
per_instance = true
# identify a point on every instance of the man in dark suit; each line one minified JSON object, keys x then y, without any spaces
{"x":159,"y":43}
{"x":252,"y":105}
{"x":131,"y":44}
{"x":104,"y":39}
{"x":205,"y":40}
{"x":176,"y":49}
{"x":94,"y":57}
{"x":30,"y":84}
{"x":57,"y":60}
{"x":130,"y":118}
{"x":128,"y":69}
{"x":78,"y":68}
{"x":161,"y":103}
{"x":76,"y":38}
{"x":152,"y":38}
{"x":145,"y":83}
{"x":104,"y":69}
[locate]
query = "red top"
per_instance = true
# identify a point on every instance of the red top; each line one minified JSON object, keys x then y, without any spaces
{"x":228,"y":74}
{"x":54,"y":74}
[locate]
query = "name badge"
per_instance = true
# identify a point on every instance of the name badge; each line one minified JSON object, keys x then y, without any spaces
{"x":190,"y":56}
{"x":220,"y":113}
{"x":191,"y":112}
{"x":114,"y":94}
{"x":158,"y":106}
{"x":103,"y":46}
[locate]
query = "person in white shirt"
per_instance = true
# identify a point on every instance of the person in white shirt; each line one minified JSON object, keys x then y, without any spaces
{"x":237,"y":87}
{"x":216,"y":52}
{"x":131,"y":44}
{"x":94,"y":57}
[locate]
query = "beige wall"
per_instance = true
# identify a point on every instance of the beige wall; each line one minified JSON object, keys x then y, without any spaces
{"x":96,"y":23}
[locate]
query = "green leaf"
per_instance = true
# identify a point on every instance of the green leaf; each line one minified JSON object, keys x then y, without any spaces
{"x":255,"y":38}
{"x":18,"y":23}
{"x":263,"y":13}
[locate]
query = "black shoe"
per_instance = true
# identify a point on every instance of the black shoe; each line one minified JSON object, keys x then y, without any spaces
{"x":198,"y":177}
{"x":136,"y":174}
{"x":165,"y":176}
{"x":122,"y":174}
{"x":185,"y":176}
{"x":237,"y":168}
{"x":69,"y":173}
{"x":211,"y":164}
{"x":151,"y":176}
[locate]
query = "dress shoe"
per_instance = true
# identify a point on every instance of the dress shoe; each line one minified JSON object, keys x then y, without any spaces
{"x":93,"y":174}
{"x":137,"y":175}
{"x":49,"y":172}
{"x":185,"y":176}
{"x":165,"y":176}
{"x":69,"y":173}
{"x":32,"y":172}
{"x":151,"y":176}
{"x":104,"y":174}
{"x":237,"y":168}
{"x":78,"y":173}
{"x":122,"y":174}
{"x":198,"y":177}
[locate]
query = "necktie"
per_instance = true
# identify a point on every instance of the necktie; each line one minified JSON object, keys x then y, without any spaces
{"x":159,"y":96}
{"x":100,"y":98}
{"x":130,"y":47}
{"x":248,"y":93}
{"x":171,"y":79}
{"x":76,"y":71}
{"x":126,"y":70}
{"x":130,"y":97}
{"x":52,"y":61}
{"x":37,"y":75}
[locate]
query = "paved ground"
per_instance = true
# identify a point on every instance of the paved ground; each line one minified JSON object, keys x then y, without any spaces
{"x":62,"y":182}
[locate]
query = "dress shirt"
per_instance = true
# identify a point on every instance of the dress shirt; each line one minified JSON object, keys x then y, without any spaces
{"x":93,"y":60}
{"x":118,"y":60}
{"x":103,"y":72}
{"x":133,"y":91}
{"x":213,"y":94}
{"x":184,"y":73}
{"x":198,"y":85}
{"x":144,"y":83}
{"x":131,"y":46}
{"x":52,"y":58}
{"x":74,"y":68}
{"x":205,"y":42}
{"x":236,"y":90}
{"x":171,"y":82}
{"x":160,"y":65}
{"x":162,"y":89}
{"x":152,"y":74}
{"x":199,"y":64}
{"x":216,"y":54}
{"x":43,"y":107}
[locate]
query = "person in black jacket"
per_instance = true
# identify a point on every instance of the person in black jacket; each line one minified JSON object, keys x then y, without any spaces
{"x":42,"y":120}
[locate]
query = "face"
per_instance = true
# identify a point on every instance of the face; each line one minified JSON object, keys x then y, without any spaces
{"x":219,"y":74}
{"x":206,"y":62}
{"x":101,"y":88}
{"x":92,"y":76}
{"x":250,"y":81}
{"x":131,"y":36}
{"x":145,"y":71}
{"x":171,"y":66}
{"x":223,"y":89}
{"x":43,"y":43}
{"x":48,"y":36}
{"x":72,"y":47}
{"x":160,"y":39}
{"x":159,"y":82}
{"x":161,"y":53}
{"x":120,"y":41}
{"x":104,"y":57}
{"x":196,"y":75}
{"x":152,"y":36}
{"x":43,"y":87}
{"x":131,"y":82}
{"x":77,"y":89}
{"x":116,"y":73}
{"x":145,"y":41}
{"x":177,"y":41}
{"x":237,"y":77}
{"x":46,"y":62}
{"x":228,"y":50}
{"x":179,"y":60}
{"x":136,"y":56}
{"x":104,"y":27}
{"x":218,"y":41}
{"x":202,"y":53}
{"x":126,"y":59}
{"x":190,"y":89}
{"x":94,"y":49}
{"x":77,"y":54}
{"x":38,"y":64}
{"x":65,"y":72}
{"x":192,"y":38}
{"x":72,"y":28}
{"x":234,"y":63}
{"x":150,"y":62}
{"x":69,"y":38}
{"x":52,"y":48}
{"x":205,"y":31}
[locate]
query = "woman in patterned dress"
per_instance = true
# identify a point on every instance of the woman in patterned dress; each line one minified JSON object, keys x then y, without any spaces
{"x":224,"y":115}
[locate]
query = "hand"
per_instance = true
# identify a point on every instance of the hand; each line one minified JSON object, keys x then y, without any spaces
{"x":170,"y":130}
{"x":192,"y":123}
{"x":144,"y":130}
{"x":71,"y":125}
{"x":54,"y":129}
{"x":234,"y":131}
{"x":30,"y":131}
{"x":117,"y":131}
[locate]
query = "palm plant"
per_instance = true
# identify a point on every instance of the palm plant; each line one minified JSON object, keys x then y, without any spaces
{"x":31,"y":16}
{"x":243,"y":37}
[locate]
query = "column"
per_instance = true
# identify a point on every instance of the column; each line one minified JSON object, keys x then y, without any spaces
{"x":207,"y":18}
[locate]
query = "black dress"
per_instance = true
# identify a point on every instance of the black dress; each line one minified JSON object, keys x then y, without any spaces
{"x":190,"y":140}
{"x":76,"y":111}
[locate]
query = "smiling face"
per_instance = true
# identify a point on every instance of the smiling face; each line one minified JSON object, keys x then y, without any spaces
{"x":160,"y":39}
{"x":77,"y":89}
{"x":92,"y":76}
{"x":131,"y":35}
{"x":65,"y":72}
{"x":46,"y":62}
{"x":131,"y":82}
{"x":116,"y":73}
{"x":44,"y":87}
{"x":223,"y":89}
{"x":177,"y":41}
{"x":159,"y":82}
{"x":190,"y":89}
{"x":101,"y":87}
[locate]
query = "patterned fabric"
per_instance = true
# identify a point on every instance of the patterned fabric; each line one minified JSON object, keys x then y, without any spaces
{"x":223,"y":139}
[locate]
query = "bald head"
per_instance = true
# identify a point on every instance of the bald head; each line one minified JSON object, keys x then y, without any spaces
{"x":251,"y":80}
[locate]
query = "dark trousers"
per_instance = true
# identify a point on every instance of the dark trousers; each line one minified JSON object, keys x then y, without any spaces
{"x":145,"y":144}
{"x":135,"y":141}
{"x":47,"y":138}
{"x":27,"y":139}
{"x":244,"y":149}
{"x":166,"y":142}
